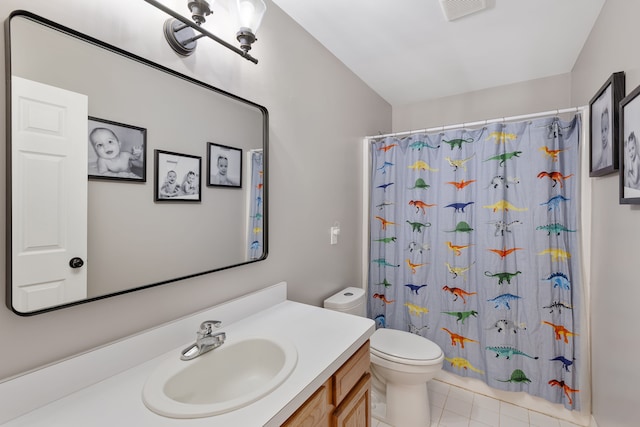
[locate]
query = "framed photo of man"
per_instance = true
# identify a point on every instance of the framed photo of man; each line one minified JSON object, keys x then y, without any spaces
{"x":603,"y":123}
{"x":224,"y":166}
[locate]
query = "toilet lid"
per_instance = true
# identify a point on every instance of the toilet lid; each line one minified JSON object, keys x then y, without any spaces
{"x":403,"y":345}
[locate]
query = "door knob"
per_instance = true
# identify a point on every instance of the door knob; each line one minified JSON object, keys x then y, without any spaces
{"x":76,"y":262}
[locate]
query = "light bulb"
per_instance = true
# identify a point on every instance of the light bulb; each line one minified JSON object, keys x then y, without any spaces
{"x":250,"y":13}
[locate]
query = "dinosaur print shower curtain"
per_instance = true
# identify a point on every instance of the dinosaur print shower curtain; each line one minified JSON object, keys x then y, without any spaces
{"x":255,"y":250}
{"x":474,"y":245}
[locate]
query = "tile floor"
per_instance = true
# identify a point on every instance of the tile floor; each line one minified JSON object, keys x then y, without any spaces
{"x":456,"y":407}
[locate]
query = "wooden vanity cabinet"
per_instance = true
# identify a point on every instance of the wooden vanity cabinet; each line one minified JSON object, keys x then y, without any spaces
{"x":344,"y":400}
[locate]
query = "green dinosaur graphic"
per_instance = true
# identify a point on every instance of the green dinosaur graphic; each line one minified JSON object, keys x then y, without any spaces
{"x":420,"y":184}
{"x":386,"y":240}
{"x":461,"y":316}
{"x":504,"y":157}
{"x":503,"y":276}
{"x":417,"y":226}
{"x":517,"y":376}
{"x":555,"y":228}
{"x":461,"y":227}
{"x":457,"y":142}
{"x":384,"y":283}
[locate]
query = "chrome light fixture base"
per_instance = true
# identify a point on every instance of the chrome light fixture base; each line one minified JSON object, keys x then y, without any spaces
{"x":246,"y":39}
{"x":180,"y":37}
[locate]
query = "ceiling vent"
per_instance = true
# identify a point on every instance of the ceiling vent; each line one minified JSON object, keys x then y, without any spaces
{"x":454,"y":9}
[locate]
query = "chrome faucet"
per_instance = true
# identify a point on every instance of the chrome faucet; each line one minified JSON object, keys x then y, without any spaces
{"x":206,"y":340}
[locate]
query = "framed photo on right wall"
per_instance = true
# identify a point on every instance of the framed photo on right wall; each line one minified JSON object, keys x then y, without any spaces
{"x":603,"y":123}
{"x":629,"y":148}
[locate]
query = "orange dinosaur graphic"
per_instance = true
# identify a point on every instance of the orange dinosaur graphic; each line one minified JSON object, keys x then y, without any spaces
{"x":386,"y":148}
{"x":565,"y":388}
{"x":551,"y":153}
{"x":385,"y":222}
{"x":382,"y":298}
{"x":456,"y":248}
{"x":413,"y":266}
{"x":457,"y":292}
{"x":419,"y":204}
{"x":560,"y":331}
{"x":455,"y":338}
{"x":556,"y":177}
{"x":504,"y":252}
{"x":460,"y":184}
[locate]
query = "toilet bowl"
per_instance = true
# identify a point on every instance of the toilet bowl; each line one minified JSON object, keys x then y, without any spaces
{"x":401,"y":365}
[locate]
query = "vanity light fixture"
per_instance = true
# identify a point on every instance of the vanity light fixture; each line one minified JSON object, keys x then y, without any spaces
{"x":181,"y":33}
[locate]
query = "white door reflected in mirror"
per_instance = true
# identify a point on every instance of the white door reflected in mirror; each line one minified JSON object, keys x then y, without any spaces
{"x":49,"y":188}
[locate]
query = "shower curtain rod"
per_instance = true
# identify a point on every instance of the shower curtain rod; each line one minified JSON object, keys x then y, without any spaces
{"x":483,"y":122}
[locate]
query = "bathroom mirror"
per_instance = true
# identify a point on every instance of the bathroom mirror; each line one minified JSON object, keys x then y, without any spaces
{"x":134,"y":238}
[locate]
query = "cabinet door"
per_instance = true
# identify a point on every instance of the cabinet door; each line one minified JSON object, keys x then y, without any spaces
{"x":314,"y":412}
{"x":355,"y":409}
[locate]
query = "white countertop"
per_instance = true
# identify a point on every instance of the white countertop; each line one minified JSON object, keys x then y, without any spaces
{"x":324,"y":340}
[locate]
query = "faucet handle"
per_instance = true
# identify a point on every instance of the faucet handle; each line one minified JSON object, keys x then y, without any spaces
{"x":206,"y":327}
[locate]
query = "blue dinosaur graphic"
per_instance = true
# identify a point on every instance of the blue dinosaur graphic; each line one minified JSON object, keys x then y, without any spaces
{"x":559,"y":280}
{"x":507,"y":352}
{"x":384,"y":167}
{"x":565,"y":362}
{"x":459,"y":207}
{"x":503,"y":300}
{"x":418,"y":145}
{"x":383,"y":262}
{"x":255,"y":245}
{"x":554,"y":202}
{"x":381,"y":321}
{"x":384,"y":186}
{"x":414,"y":288}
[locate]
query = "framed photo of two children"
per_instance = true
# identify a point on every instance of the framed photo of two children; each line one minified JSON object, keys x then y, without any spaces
{"x":178,"y":177}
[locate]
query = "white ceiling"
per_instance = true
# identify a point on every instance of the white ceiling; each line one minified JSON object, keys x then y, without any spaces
{"x":407,"y":51}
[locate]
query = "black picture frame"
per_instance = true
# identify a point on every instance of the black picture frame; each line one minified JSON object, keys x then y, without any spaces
{"x":629,"y":148}
{"x":233,"y":175}
{"x":131,"y":143}
{"x":173,"y":172}
{"x":604,"y":111}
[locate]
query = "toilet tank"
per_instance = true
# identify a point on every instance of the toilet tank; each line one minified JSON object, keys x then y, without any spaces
{"x":350,"y":300}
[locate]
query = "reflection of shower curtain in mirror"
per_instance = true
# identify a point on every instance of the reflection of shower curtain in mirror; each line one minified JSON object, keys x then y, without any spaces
{"x":256,"y":220}
{"x":474,"y":245}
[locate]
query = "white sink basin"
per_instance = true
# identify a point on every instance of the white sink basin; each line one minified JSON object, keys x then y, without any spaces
{"x":222,"y":380}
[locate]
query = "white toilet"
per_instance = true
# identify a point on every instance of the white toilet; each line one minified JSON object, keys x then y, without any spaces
{"x":401,"y":365}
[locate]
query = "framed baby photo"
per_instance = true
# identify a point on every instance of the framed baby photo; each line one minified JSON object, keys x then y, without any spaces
{"x":604,"y":124}
{"x":177,"y":177}
{"x":630,"y":148}
{"x":224,"y":166}
{"x":116,"y":151}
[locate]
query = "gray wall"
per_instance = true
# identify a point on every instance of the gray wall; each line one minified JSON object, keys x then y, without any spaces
{"x":615,"y":291}
{"x":534,"y":96}
{"x":319,"y":112}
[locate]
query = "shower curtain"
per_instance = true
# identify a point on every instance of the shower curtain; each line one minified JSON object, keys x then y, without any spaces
{"x":255,"y":248}
{"x":474,"y":245}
